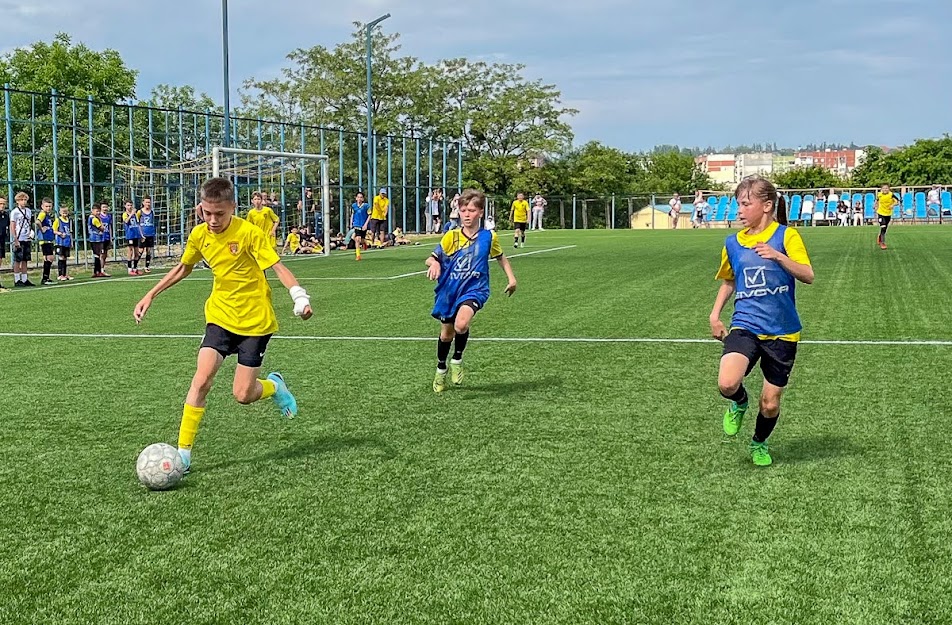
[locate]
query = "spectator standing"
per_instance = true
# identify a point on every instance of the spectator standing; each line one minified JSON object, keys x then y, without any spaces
{"x":538,"y":211}
{"x":4,"y":234}
{"x":675,"y":212}
{"x":21,"y":232}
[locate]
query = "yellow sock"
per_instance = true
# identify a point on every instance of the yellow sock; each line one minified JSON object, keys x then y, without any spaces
{"x":267,"y":388}
{"x":191,"y":417}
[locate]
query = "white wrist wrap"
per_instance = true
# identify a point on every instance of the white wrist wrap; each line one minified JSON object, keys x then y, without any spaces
{"x":301,"y":299}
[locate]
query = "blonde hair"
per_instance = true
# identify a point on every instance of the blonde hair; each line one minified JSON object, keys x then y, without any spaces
{"x":473,"y":196}
{"x":765,"y":191}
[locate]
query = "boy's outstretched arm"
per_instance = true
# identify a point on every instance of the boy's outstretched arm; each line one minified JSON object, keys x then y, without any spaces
{"x":178,"y":273}
{"x":302,"y":301}
{"x":507,"y":267}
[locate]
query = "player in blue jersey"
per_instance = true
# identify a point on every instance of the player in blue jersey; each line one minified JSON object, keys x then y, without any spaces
{"x":95,"y":230}
{"x":63,"y":231}
{"x":44,"y":222}
{"x":359,"y":222}
{"x":106,"y":217}
{"x":760,"y":267}
{"x":147,"y":226}
{"x":133,"y":234}
{"x":460,"y":264}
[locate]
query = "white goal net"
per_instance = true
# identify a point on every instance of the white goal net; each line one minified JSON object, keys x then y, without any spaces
{"x":295,"y":186}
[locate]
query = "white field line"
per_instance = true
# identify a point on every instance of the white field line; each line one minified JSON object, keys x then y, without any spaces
{"x":496,"y":339}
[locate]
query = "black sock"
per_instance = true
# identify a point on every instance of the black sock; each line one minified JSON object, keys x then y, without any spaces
{"x":148,"y":258}
{"x":461,"y":339}
{"x":97,"y":265}
{"x":739,"y":397}
{"x":135,"y":264}
{"x":764,"y":427}
{"x":442,"y":351}
{"x":61,"y":266}
{"x":882,"y":234}
{"x":523,"y":238}
{"x":129,"y":264}
{"x":47,"y":264}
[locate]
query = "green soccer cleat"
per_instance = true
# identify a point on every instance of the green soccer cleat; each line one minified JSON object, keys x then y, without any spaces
{"x":734,"y":417}
{"x":760,"y":454}
{"x":456,"y":372}
{"x":439,"y":381}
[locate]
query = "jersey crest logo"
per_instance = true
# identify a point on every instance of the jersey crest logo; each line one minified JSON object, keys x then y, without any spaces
{"x":233,"y":248}
{"x":755,"y":277}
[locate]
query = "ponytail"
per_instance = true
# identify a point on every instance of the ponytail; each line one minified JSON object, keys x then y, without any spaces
{"x":781,"y":210}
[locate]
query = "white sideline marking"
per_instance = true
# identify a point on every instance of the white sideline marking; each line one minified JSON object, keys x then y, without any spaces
{"x":488,"y":339}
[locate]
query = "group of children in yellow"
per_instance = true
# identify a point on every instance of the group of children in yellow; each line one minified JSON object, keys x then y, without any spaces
{"x":760,"y":266}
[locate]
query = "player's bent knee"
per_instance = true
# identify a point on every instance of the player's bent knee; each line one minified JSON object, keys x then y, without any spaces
{"x":770,"y":405}
{"x":461,"y":328}
{"x":728,"y":386}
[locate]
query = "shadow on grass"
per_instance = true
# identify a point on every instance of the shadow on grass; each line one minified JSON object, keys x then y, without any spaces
{"x":817,"y":449}
{"x":318,"y":446}
{"x":516,"y":387}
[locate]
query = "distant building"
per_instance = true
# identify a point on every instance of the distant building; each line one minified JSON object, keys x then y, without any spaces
{"x":719,"y":167}
{"x":758,"y":163}
{"x":783,"y":162}
{"x":840,"y":162}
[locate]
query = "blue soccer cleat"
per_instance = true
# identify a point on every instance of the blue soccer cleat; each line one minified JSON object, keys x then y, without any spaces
{"x":283,"y":397}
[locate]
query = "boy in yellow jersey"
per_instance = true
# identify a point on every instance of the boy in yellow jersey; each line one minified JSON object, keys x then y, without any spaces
{"x":378,"y":218}
{"x":293,"y":242}
{"x":264,"y":218}
{"x":519,"y":216}
{"x":885,"y":203}
{"x":460,"y":264}
{"x":759,"y":266}
{"x":239,"y":314}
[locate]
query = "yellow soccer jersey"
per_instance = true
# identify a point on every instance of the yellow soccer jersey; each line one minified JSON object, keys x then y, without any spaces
{"x":520,"y":211}
{"x":455,"y":240}
{"x":263,"y":218}
{"x":796,"y":251}
{"x":886,"y":203}
{"x":294,"y":241}
{"x":380,"y":208}
{"x":240,"y":301}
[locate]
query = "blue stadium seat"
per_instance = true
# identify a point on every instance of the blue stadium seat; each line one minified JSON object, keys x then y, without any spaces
{"x":846,"y":197}
{"x":921,"y":211}
{"x":721,"y":209}
{"x":796,"y":203}
{"x":869,"y":210}
{"x":908,"y":207}
{"x":947,"y":203}
{"x":819,"y":211}
{"x":732,"y":210}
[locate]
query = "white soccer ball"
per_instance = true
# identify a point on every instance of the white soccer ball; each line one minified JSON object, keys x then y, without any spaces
{"x":160,"y":467}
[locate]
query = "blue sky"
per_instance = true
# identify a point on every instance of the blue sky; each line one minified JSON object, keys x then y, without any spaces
{"x":689,"y":72}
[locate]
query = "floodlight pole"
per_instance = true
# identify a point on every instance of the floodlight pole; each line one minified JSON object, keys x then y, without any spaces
{"x":224,"y":49}
{"x":370,"y":114}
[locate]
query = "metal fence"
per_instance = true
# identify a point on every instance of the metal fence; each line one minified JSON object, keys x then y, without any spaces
{"x":77,"y":151}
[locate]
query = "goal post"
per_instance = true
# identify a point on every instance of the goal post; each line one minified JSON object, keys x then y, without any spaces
{"x":246,"y":162}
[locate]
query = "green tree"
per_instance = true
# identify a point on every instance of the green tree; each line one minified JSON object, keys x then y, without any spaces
{"x":72,"y":70}
{"x":814,"y":177}
{"x":927,"y":161}
{"x":673,"y":172}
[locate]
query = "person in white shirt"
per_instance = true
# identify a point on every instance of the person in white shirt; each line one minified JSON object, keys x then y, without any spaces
{"x":675,"y":211}
{"x":21,"y":233}
{"x":538,"y":210}
{"x":933,"y":201}
{"x":700,"y":210}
